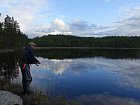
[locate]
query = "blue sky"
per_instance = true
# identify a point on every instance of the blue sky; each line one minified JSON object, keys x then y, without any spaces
{"x":77,"y":17}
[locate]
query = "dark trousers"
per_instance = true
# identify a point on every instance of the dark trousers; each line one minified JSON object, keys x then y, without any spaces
{"x":26,"y":78}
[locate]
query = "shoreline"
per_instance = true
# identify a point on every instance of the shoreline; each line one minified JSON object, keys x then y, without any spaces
{"x":34,"y":99}
{"x":9,"y":50}
{"x":72,"y":48}
{"x":86,"y":48}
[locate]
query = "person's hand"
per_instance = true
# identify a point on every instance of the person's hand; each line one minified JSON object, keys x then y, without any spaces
{"x":38,"y":62}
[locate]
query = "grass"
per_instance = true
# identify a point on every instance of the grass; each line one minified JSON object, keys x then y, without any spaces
{"x":38,"y":98}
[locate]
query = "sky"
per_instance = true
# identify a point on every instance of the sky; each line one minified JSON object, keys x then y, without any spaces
{"x":95,"y":18}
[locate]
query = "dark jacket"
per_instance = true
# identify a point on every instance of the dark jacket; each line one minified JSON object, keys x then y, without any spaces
{"x":28,"y":56}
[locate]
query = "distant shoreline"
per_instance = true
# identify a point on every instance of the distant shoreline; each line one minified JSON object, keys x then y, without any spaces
{"x":73,"y":48}
{"x":84,"y":48}
{"x":8,"y":50}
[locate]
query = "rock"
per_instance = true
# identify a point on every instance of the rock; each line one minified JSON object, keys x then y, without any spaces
{"x":7,"y":98}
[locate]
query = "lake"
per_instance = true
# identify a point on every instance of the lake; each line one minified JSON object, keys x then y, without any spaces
{"x":93,"y":77}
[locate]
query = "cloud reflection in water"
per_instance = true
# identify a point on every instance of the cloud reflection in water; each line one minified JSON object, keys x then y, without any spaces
{"x":69,"y":73}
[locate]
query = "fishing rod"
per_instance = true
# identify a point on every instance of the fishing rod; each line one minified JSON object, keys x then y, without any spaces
{"x":46,"y":66}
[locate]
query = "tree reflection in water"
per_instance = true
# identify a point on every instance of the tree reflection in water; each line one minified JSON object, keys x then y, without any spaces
{"x":9,"y":64}
{"x":9,"y":61}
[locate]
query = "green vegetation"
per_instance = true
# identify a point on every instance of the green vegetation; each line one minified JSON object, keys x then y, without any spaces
{"x":10,"y":34}
{"x":75,"y":41}
{"x":11,"y":37}
{"x":38,"y":98}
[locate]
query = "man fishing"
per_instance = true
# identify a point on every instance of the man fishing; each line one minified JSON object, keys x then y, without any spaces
{"x":27,"y":60}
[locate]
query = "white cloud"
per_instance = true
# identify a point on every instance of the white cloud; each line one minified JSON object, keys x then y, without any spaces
{"x":6,"y":3}
{"x":26,"y":12}
{"x":60,"y":24}
{"x":129,"y":11}
{"x":128,"y":24}
{"x":57,"y":26}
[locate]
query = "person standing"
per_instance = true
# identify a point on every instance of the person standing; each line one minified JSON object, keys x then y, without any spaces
{"x":28,"y":59}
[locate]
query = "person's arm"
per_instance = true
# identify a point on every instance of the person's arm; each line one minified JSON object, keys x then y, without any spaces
{"x":31,"y":58}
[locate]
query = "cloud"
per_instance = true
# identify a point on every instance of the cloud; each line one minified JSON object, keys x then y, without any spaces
{"x":126,"y":25}
{"x":26,"y":12}
{"x":57,"y":26}
{"x":129,"y":22}
{"x":6,"y":3}
{"x":79,"y":25}
{"x":130,"y":10}
{"x":31,"y":13}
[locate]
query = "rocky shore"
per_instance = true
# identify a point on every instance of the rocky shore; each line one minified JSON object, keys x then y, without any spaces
{"x":8,"y":98}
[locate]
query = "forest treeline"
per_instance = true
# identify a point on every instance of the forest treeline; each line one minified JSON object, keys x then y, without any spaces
{"x":10,"y":34}
{"x":75,"y":41}
{"x":11,"y":37}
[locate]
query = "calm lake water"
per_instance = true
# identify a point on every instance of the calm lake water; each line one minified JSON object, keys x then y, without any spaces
{"x":94,"y":77}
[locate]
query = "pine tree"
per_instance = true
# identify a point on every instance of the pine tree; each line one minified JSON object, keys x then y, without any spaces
{"x":10,"y":34}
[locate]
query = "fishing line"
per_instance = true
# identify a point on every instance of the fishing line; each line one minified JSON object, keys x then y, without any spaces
{"x":47,"y":66}
{"x":49,"y":87}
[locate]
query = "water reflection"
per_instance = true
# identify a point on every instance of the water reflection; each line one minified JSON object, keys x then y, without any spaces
{"x":105,"y":53}
{"x":86,"y":76}
{"x":95,"y":77}
{"x":106,"y":99}
{"x":9,"y":68}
